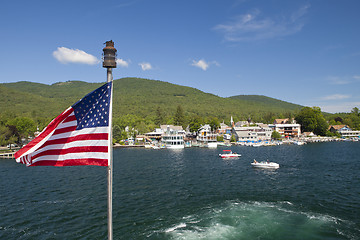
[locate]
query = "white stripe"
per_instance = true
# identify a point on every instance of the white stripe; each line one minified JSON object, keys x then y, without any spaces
{"x":80,"y":132}
{"x":67,"y":124}
{"x":45,"y":138}
{"x":84,"y":143}
{"x":70,"y":156}
{"x":37,"y":145}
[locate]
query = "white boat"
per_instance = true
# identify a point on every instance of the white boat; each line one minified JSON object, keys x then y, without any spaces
{"x":266,"y":164}
{"x":229,"y":154}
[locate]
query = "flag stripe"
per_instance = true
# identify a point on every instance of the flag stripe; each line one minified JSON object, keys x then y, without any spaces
{"x":73,"y":162}
{"x":70,"y":118}
{"x":72,"y":150}
{"x":67,"y":124}
{"x":80,"y":132}
{"x":44,"y":135}
{"x":99,"y":155}
{"x":91,"y":143}
{"x":82,"y":137}
{"x":64,"y":130}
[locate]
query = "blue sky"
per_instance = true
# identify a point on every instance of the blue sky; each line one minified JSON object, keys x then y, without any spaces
{"x":304,"y":52}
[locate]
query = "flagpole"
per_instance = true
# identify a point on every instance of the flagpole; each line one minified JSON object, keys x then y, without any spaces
{"x":109,"y":63}
{"x":110,"y":166}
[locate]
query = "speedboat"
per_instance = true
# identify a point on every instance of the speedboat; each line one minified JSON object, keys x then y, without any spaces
{"x":264,"y":164}
{"x":229,"y":154}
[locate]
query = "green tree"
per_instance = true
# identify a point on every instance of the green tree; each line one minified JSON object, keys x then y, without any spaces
{"x":9,"y":134}
{"x":24,"y":126}
{"x":116,"y":133}
{"x":354,"y":117}
{"x":214,"y":124}
{"x":179,"y":118}
{"x":276,"y":135}
{"x":312,"y":120}
{"x":355,"y":111}
{"x":160,"y":118}
{"x":6,"y":136}
{"x":219,"y":138}
{"x":195,"y":123}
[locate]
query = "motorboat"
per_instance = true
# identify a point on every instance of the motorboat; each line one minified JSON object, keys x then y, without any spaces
{"x":264,"y":164}
{"x":299,"y":143}
{"x":229,"y":154}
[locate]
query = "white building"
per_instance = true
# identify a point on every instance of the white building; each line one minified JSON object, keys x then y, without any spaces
{"x":206,"y":138}
{"x":260,"y":132}
{"x":173,"y":136}
{"x":345,"y":131}
{"x":286,"y":128}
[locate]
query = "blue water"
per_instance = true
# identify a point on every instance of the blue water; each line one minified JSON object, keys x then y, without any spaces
{"x":189,"y":194}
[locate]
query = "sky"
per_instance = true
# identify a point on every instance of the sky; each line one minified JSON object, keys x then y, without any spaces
{"x":303,"y":52}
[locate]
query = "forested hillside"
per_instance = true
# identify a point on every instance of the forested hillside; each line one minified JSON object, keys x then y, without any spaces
{"x":140,"y":97}
{"x":141,"y":105}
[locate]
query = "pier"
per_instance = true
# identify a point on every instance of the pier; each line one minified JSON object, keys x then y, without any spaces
{"x":7,"y":155}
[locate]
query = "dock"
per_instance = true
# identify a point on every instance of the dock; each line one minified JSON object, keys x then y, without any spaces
{"x":7,"y":155}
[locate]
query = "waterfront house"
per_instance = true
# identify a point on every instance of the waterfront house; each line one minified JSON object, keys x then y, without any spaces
{"x":206,"y":138}
{"x":344,"y":130}
{"x":259,"y":132}
{"x":169,"y":135}
{"x":286,"y":128}
{"x":224,"y":129}
{"x":173,"y":137}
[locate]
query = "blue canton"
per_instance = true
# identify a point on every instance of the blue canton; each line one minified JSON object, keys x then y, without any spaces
{"x":93,"y":110}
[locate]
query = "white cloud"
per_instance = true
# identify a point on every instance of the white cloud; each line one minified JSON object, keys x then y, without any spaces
{"x":122,"y":63}
{"x":200,"y":64}
{"x":203,"y":64}
{"x":145,"y":66}
{"x":252,"y":26}
{"x":336,"y":97}
{"x":67,"y":55}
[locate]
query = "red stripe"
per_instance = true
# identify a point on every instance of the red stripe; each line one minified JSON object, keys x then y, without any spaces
{"x":53,"y":125}
{"x":88,"y":149}
{"x":65,"y":130}
{"x":70,"y":119}
{"x":90,"y":136}
{"x":73,"y":162}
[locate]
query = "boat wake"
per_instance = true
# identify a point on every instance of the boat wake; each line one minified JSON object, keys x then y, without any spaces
{"x":260,"y":220}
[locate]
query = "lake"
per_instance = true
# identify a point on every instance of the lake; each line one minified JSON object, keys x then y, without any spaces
{"x":190,"y":194}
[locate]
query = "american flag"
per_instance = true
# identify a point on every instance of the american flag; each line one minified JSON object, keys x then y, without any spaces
{"x":78,"y":136}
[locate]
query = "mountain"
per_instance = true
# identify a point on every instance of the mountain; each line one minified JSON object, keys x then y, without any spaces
{"x":141,"y":97}
{"x":267,"y":102}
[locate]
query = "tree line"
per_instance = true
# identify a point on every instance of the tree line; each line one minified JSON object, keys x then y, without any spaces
{"x":15,"y":128}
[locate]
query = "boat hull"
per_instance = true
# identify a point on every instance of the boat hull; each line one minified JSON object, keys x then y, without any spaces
{"x":270,"y":165}
{"x":230,"y":155}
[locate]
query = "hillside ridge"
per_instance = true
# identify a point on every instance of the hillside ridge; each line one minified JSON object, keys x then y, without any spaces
{"x":138,"y":96}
